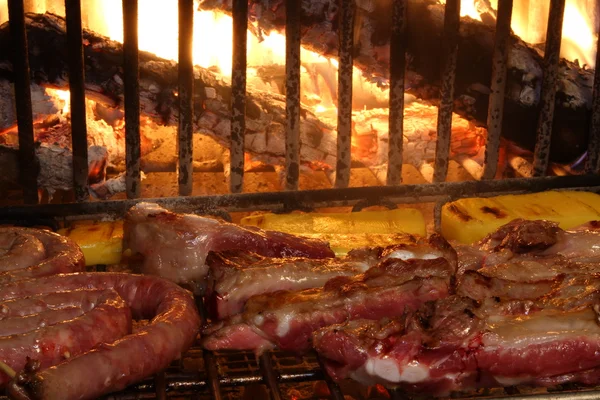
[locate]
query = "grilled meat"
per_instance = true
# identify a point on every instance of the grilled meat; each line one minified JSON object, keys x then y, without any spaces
{"x":286,"y":319}
{"x":236,"y":276}
{"x":29,"y":252}
{"x":175,"y":246}
{"x":95,"y":367}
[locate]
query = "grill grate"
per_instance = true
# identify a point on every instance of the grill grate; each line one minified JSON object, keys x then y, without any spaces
{"x":224,"y":375}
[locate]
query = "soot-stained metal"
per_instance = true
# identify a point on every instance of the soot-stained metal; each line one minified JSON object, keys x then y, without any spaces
{"x":444,"y":122}
{"x":498,"y":88}
{"x":27,"y":160}
{"x":344,"y":97}
{"x":292,"y":93}
{"x":185,"y":128}
{"x":549,"y":80}
{"x":238,"y":95}
{"x":397,"y":72}
{"x":77,"y":90}
{"x":131,"y":98}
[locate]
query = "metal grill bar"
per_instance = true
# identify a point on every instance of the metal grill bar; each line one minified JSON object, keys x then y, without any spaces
{"x":266,"y":366}
{"x":27,"y":161}
{"x":77,"y":90}
{"x":292,"y":94}
{"x":397,"y":67}
{"x":132,"y":98}
{"x":238,"y":95}
{"x":334,"y":388}
{"x":186,"y":95}
{"x":593,"y":161}
{"x":344,"y":95}
{"x":344,"y":196}
{"x":548,"y":94}
{"x":498,"y":88}
{"x":444,"y":122}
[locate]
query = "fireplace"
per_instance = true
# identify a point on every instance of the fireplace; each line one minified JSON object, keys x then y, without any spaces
{"x":479,"y":97}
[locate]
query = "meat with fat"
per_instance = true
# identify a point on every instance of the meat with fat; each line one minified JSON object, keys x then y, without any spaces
{"x":175,"y":246}
{"x":113,"y":364}
{"x":457,"y":345}
{"x":286,"y":319}
{"x":30,"y":252}
{"x":526,"y":259}
{"x":235,"y":276}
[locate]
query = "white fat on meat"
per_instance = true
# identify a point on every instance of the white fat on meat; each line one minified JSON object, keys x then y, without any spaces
{"x":387,"y":369}
{"x":408,"y":255}
{"x":523,"y":332}
{"x":285,"y":322}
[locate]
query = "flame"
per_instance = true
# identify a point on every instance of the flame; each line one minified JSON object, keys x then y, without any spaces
{"x":577,"y":36}
{"x":60,"y":97}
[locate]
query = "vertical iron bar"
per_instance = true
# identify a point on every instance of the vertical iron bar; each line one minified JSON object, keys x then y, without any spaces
{"x":292,"y":88}
{"x":186,"y":95}
{"x":132,"y":98}
{"x":444,"y":122}
{"x":238,"y":94}
{"x":548,"y":94}
{"x":397,"y":67}
{"x":266,"y":366}
{"x":210,"y":363}
{"x":344,"y":121}
{"x":27,"y":161}
{"x":498,"y":88}
{"x":593,"y":162}
{"x":77,"y":90}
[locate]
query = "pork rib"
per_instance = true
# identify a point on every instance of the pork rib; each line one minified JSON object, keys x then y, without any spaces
{"x":286,"y":319}
{"x":526,"y":259}
{"x":175,"y":246}
{"x":29,"y":252}
{"x":174,"y":324}
{"x":234,"y":277}
{"x":457,"y":344}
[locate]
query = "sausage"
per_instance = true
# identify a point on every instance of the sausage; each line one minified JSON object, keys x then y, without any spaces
{"x":25,"y":315}
{"x":173,"y":327}
{"x":29,"y":252}
{"x":108,"y":321}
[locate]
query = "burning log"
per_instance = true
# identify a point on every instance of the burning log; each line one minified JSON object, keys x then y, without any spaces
{"x":425,"y":33}
{"x":265,"y":111}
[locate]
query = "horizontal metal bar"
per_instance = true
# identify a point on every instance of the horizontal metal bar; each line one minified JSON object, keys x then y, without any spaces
{"x":349,"y":196}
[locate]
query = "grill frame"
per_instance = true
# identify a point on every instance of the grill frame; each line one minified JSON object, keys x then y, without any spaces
{"x":440,"y":192}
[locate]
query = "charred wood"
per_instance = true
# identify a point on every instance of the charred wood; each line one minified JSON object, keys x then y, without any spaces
{"x":425,"y":32}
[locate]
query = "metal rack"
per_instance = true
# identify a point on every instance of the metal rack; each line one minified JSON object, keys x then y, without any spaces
{"x":201,"y":374}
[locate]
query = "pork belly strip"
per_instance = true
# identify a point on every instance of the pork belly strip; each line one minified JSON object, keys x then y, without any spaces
{"x":236,"y":276}
{"x":29,"y":252}
{"x":456,"y":345}
{"x":108,"y":321}
{"x":175,"y":246}
{"x":286,"y":319}
{"x":526,"y":259}
{"x":174,"y":324}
